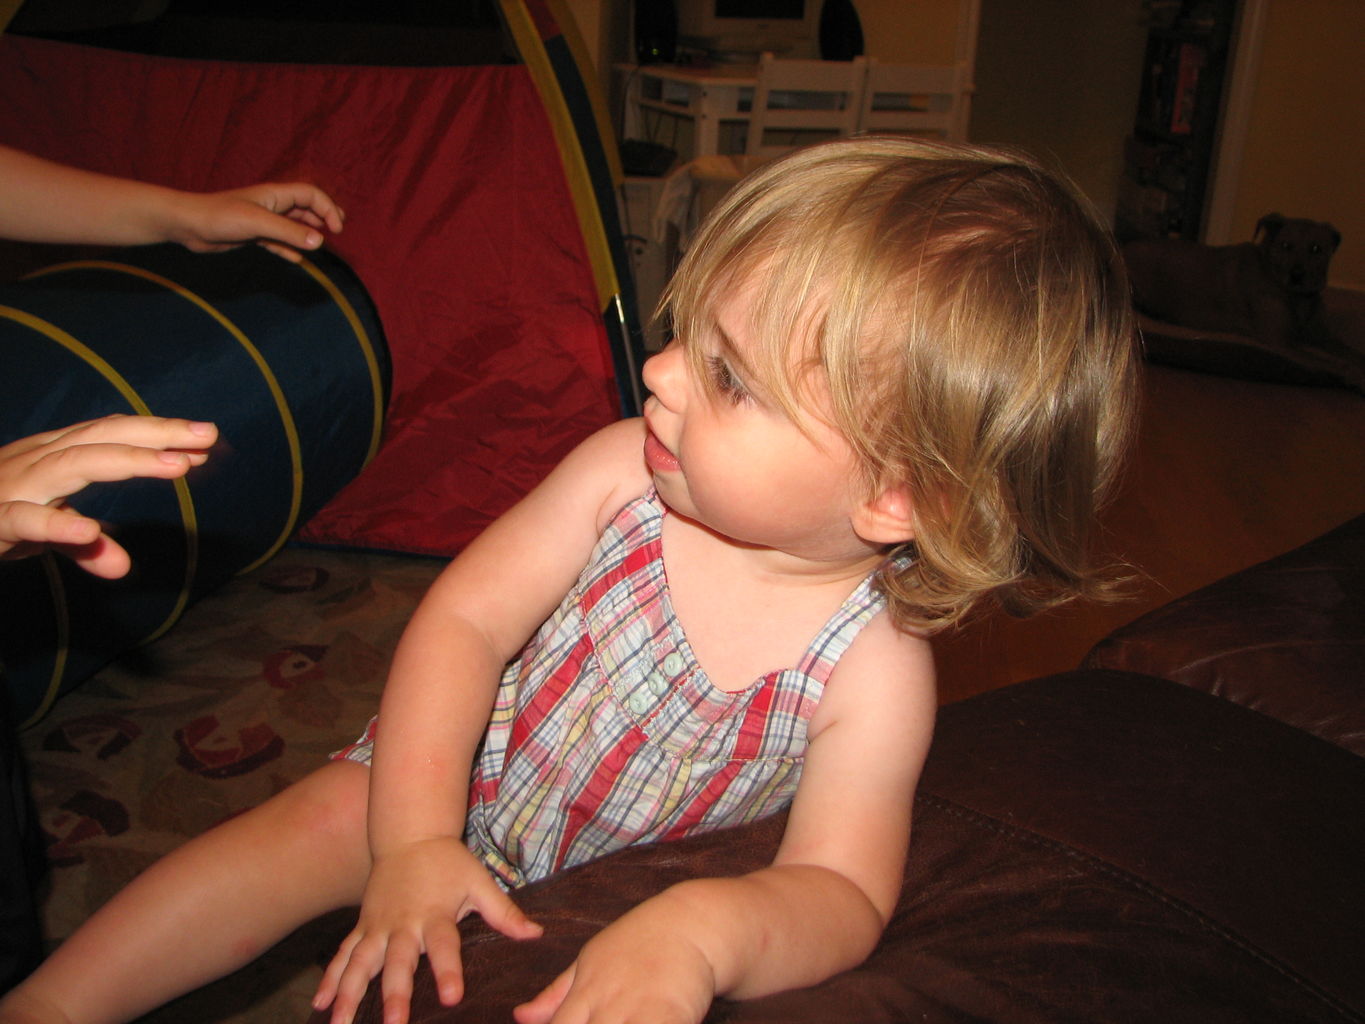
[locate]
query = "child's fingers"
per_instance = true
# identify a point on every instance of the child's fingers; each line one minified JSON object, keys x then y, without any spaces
{"x":331,"y":977}
{"x":39,"y":471}
{"x":307,"y":217}
{"x":284,"y":252}
{"x":141,"y":431}
{"x":498,"y":910}
{"x":365,"y":960}
{"x":26,"y":528}
{"x":261,"y":223}
{"x":282,"y":217}
{"x":295,"y":197}
{"x":400,"y":964}
{"x":114,"y":448}
{"x":63,"y":473}
{"x":12,"y":453}
{"x":102,"y":557}
{"x":295,"y":200}
{"x":27,"y":444}
{"x":543,"y":1007}
{"x":443,"y":954}
{"x":26,"y":522}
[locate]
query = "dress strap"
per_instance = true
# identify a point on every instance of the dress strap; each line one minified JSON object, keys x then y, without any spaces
{"x":842,"y":628}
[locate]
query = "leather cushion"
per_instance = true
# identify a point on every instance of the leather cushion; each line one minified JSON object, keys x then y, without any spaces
{"x":1285,"y":637}
{"x":1090,"y":846}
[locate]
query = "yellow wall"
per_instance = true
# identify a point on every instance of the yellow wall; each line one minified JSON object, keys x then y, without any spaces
{"x":1305,"y":147}
{"x":913,"y":31}
{"x":592,"y":18}
{"x":1060,"y":79}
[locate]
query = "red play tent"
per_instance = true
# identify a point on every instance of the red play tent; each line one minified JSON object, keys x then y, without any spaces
{"x":481,"y":224}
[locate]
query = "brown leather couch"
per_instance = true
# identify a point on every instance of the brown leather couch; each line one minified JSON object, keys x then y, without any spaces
{"x":1173,"y":832}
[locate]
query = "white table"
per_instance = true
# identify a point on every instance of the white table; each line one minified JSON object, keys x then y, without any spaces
{"x":705,"y":96}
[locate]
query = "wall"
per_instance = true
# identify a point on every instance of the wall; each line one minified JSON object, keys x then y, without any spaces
{"x":603,"y":26}
{"x":592,"y":19}
{"x":913,"y":31}
{"x":1304,"y":146}
{"x":1060,"y":79}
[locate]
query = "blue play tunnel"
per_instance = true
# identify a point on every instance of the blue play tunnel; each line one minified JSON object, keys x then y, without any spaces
{"x":289,"y":361}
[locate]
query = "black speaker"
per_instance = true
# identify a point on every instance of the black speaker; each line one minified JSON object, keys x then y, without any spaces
{"x":841,"y":33}
{"x":656,"y":31}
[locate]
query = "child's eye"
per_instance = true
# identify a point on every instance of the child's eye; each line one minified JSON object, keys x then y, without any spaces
{"x":724,"y":380}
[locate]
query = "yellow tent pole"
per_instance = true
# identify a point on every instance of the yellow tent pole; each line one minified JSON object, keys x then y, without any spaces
{"x":8,"y":9}
{"x":573,"y":38}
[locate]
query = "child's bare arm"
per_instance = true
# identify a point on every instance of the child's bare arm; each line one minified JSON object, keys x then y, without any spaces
{"x":43,"y":201}
{"x":821,"y":907}
{"x":422,"y":878}
{"x":436,"y":705}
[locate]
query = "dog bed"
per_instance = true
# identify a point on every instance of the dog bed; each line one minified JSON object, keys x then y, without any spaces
{"x":1245,"y":358}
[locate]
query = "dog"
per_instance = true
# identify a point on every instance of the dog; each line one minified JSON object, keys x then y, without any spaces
{"x":1269,"y":289}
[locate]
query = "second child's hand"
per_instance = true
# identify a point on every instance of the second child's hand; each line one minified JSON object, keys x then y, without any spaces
{"x":38,"y":473}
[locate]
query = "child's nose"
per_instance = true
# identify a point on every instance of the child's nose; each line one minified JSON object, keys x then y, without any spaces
{"x":664,"y":374}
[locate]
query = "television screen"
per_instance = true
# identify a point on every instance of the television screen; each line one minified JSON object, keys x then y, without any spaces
{"x":793,"y":9}
{"x":742,"y":29}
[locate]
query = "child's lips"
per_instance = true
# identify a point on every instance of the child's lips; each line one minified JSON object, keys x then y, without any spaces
{"x":659,"y":458}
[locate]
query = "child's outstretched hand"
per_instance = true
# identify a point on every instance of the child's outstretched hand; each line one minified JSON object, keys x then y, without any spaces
{"x":641,"y":967}
{"x":415,"y":896}
{"x":282,"y":217}
{"x":37,"y":473}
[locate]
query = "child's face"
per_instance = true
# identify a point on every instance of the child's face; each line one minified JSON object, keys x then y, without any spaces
{"x":730,"y":458}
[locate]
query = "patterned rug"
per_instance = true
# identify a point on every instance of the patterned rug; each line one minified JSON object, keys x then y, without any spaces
{"x":253,"y":689}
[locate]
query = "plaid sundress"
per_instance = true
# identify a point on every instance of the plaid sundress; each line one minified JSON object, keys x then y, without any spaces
{"x":605,"y":732}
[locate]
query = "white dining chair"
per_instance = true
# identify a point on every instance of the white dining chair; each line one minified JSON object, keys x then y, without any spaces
{"x":916,"y":99}
{"x":797,"y":102}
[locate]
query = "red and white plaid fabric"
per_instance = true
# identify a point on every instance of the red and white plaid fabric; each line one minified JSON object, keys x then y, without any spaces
{"x":606,"y":732}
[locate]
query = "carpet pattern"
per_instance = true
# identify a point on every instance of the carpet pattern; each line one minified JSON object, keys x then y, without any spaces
{"x":250,"y":691}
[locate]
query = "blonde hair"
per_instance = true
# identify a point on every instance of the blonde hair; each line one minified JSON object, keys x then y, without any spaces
{"x":970,"y":317}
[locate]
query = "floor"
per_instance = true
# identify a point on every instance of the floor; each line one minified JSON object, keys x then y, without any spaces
{"x":1225,"y":473}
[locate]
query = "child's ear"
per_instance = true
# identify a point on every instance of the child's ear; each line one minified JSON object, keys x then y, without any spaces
{"x":886,"y":519}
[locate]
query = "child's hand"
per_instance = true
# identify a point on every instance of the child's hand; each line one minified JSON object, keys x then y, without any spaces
{"x":282,"y":217}
{"x":412,"y":901}
{"x":37,"y":473}
{"x":641,"y":967}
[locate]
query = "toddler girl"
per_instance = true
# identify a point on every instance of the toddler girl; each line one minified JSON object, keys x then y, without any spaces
{"x":902,"y":378}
